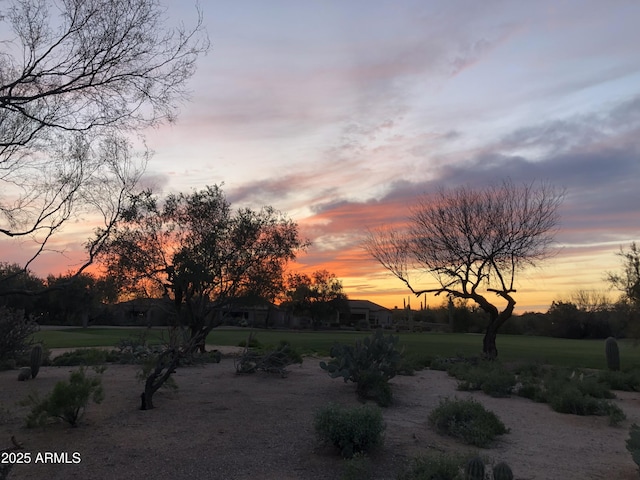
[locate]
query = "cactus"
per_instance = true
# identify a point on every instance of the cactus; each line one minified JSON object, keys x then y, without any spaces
{"x":502,"y":471}
{"x":24,"y":374}
{"x":36,"y":360}
{"x":474,"y":469}
{"x":613,"y":354}
{"x":370,"y":364}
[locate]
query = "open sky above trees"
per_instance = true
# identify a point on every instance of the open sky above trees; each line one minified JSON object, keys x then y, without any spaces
{"x":342,"y":113}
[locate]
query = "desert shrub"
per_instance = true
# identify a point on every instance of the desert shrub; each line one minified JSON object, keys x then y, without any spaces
{"x":531,"y":389}
{"x":16,"y":333}
{"x":468,"y":421}
{"x":83,"y":356}
{"x":352,"y":430}
{"x":490,"y":377}
{"x":270,"y":361}
{"x":571,"y":400}
{"x":212,"y":356}
{"x":8,"y":364}
{"x":293,"y":355}
{"x":570,"y":391}
{"x":440,"y":363}
{"x":67,"y":401}
{"x":591,"y":386}
{"x":633,"y":443}
{"x":628,"y":381}
{"x":530,"y":370}
{"x":435,"y":467}
{"x":410,"y":364}
{"x":357,"y":467}
{"x":136,"y":349}
{"x":370,"y":364}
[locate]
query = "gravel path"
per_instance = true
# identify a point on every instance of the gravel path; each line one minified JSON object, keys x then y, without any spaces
{"x":219,"y":425}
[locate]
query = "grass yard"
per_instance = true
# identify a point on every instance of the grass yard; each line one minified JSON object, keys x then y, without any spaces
{"x":554,"y":351}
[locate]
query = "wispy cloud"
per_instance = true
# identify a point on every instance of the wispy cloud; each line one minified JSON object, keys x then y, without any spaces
{"x":343,"y":113}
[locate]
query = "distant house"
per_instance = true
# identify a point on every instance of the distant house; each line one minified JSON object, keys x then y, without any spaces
{"x":376,"y":315}
{"x":252,"y":312}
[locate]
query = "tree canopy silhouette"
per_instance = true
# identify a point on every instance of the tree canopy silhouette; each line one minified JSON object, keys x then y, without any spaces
{"x":194,"y":249}
{"x":473,"y":242}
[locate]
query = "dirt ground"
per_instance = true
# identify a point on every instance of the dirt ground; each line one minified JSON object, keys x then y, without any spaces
{"x":220,"y":425}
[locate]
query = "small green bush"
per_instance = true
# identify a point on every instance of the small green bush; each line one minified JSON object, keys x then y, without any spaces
{"x":571,"y":400}
{"x":591,"y":386}
{"x":489,"y":376}
{"x":468,"y":421}
{"x":352,"y":430}
{"x":67,"y":401}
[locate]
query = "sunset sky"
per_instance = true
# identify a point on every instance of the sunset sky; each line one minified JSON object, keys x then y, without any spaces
{"x":341,"y":113}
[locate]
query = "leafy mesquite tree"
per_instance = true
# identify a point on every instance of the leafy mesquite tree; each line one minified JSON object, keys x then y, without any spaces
{"x":197,"y":251}
{"x":319,"y":295}
{"x":473,"y":242}
{"x":77,"y":78}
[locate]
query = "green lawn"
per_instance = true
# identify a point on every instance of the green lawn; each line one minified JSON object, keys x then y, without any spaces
{"x":555,"y":351}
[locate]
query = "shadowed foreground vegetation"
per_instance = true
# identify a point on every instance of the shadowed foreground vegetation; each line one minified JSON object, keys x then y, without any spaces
{"x":420,"y":347}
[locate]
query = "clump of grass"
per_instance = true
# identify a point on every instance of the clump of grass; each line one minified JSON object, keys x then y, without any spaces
{"x":467,"y":420}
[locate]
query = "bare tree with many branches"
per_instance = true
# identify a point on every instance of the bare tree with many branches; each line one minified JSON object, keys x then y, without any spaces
{"x":473,"y":241}
{"x":77,"y":79}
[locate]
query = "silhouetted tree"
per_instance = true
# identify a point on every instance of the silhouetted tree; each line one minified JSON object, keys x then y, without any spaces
{"x":72,"y":299}
{"x":198,"y":252}
{"x":14,"y":278}
{"x":77,"y":78}
{"x":473,"y":241}
{"x":320,"y":296}
{"x":628,"y":282}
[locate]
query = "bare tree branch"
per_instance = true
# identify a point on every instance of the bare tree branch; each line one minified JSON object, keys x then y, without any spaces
{"x":77,"y":77}
{"x":471,"y":240}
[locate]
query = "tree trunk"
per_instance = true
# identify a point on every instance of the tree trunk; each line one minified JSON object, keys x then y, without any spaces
{"x":489,"y":349}
{"x":158,"y":376}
